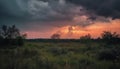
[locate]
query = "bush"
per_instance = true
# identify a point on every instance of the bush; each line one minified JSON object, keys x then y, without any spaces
{"x":86,"y":37}
{"x":110,"y":38}
{"x":20,"y":40}
{"x":55,"y":36}
{"x":107,"y":54}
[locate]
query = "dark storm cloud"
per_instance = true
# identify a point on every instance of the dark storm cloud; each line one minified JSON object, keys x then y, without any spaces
{"x":11,"y":13}
{"x":51,"y":10}
{"x":40,"y":13}
{"x":36,"y":10}
{"x":10,"y":9}
{"x":106,"y":8}
{"x":27,"y":14}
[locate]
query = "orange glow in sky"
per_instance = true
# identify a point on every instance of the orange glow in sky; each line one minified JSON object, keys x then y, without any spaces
{"x":76,"y":31}
{"x":95,"y":29}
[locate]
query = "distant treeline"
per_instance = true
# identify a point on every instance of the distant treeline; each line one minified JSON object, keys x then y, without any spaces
{"x":10,"y":35}
{"x":68,"y":40}
{"x":107,"y":37}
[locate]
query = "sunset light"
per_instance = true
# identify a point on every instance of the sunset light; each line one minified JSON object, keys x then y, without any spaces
{"x":59,"y":34}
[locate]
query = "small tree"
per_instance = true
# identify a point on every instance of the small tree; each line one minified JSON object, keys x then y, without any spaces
{"x":55,"y":36}
{"x":87,"y":40}
{"x":7,"y":32}
{"x":86,"y":37}
{"x":110,"y":37}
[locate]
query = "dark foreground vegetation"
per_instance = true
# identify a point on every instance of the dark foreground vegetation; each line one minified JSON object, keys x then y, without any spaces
{"x":10,"y":35}
{"x":83,"y":53}
{"x":61,"y":55}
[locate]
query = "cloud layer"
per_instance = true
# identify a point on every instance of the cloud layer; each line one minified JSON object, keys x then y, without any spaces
{"x":106,"y":8}
{"x":38,"y":13}
{"x":37,"y":10}
{"x":49,"y":16}
{"x":44,"y":11}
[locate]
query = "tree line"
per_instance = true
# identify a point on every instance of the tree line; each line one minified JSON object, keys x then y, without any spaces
{"x":106,"y":36}
{"x":10,"y":35}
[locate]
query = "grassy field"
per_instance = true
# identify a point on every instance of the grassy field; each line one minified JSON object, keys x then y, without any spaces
{"x":61,"y":55}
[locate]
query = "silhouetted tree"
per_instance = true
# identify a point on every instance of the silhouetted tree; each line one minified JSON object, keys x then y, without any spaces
{"x":87,"y":40}
{"x":86,"y":37}
{"x":9,"y":32}
{"x":10,"y":35}
{"x":110,"y":37}
{"x":55,"y":36}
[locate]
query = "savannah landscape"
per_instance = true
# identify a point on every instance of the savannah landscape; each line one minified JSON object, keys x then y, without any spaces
{"x":84,"y":53}
{"x":59,"y":34}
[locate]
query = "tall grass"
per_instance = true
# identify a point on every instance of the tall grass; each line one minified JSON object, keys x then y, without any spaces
{"x":69,"y":55}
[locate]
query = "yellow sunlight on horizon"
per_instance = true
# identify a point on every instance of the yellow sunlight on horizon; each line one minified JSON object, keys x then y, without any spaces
{"x":94,"y":29}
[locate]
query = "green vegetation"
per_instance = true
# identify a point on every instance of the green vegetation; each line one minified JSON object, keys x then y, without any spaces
{"x":56,"y":53}
{"x":61,"y":55}
{"x":110,"y":38}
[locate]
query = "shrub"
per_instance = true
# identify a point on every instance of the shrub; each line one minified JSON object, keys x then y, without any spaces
{"x":55,"y":36}
{"x":86,"y":37}
{"x":110,"y":38}
{"x":107,"y":54}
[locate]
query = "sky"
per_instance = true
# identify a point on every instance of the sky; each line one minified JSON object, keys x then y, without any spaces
{"x":69,"y":18}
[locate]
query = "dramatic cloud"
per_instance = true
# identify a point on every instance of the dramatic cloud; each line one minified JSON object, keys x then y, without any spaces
{"x":107,"y":8}
{"x":76,"y":31}
{"x":45,"y":17}
{"x":37,"y":10}
{"x":42,"y":11}
{"x":39,"y":13}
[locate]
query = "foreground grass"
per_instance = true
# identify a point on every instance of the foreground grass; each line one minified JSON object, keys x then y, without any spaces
{"x":60,"y":55}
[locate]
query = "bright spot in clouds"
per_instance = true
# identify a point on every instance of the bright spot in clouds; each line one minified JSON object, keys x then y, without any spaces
{"x":76,"y":31}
